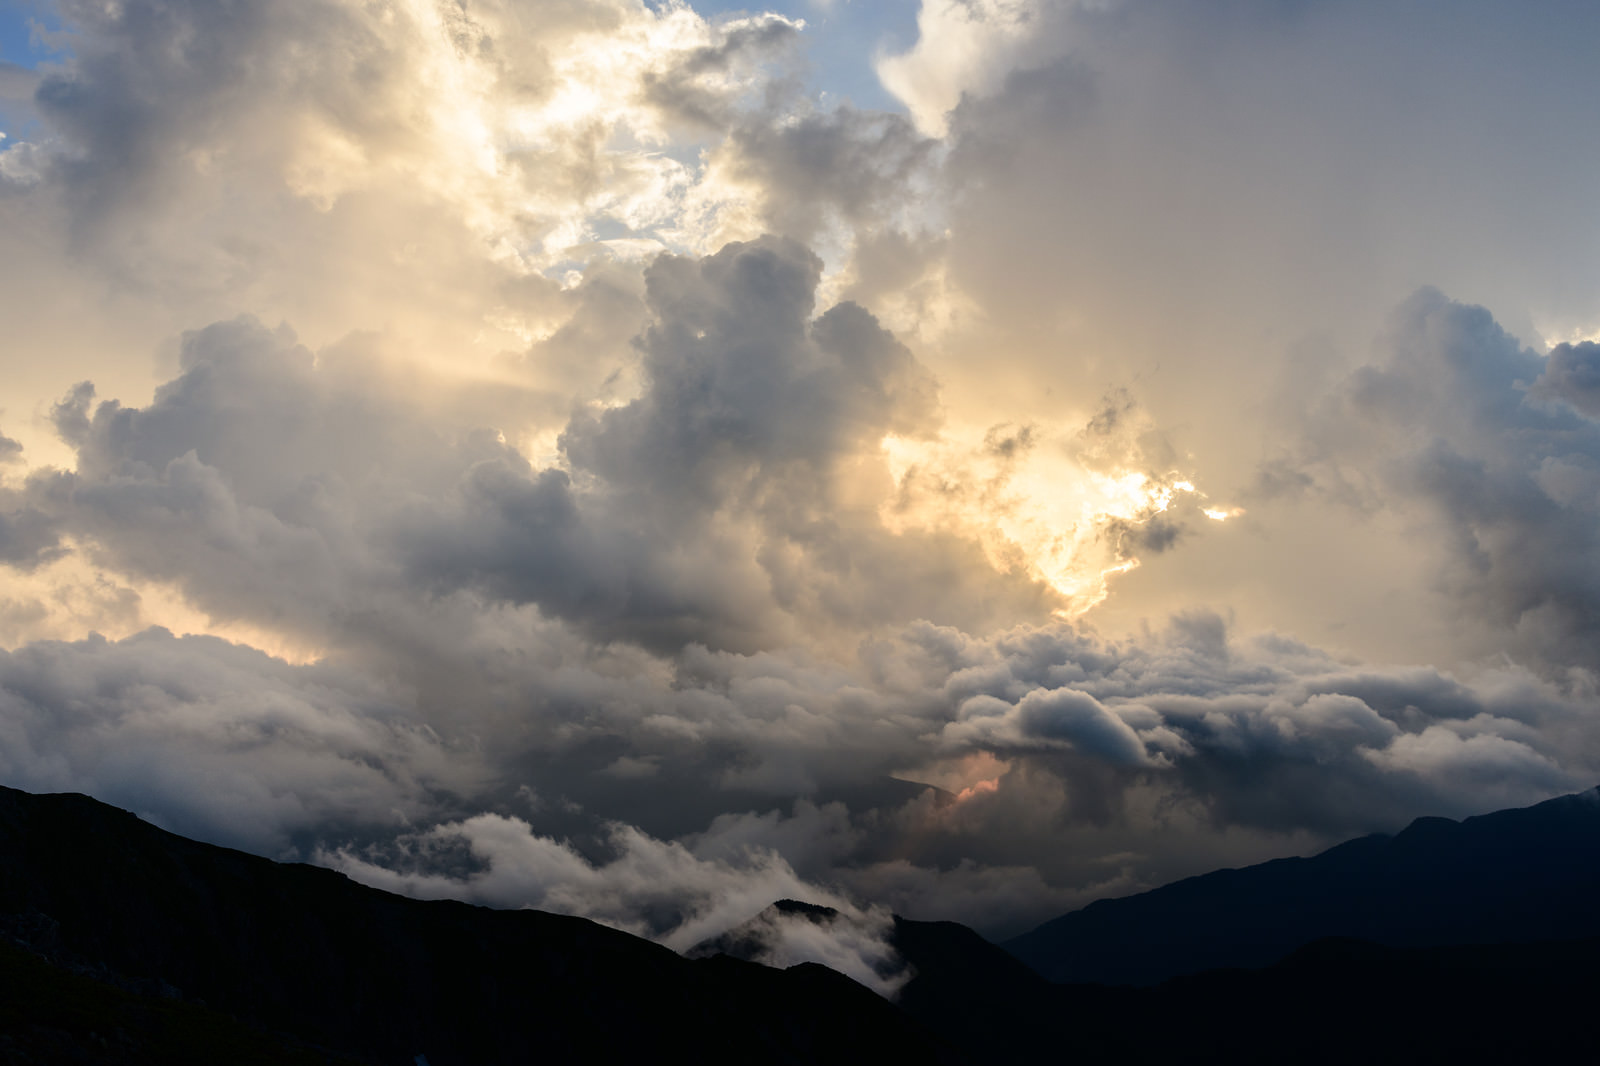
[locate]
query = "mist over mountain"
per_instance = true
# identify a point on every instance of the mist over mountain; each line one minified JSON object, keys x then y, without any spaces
{"x":1373,"y":951}
{"x":304,"y":951}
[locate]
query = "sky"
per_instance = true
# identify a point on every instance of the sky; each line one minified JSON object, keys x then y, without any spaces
{"x":961,"y":458}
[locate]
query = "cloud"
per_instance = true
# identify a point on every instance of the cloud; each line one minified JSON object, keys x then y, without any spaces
{"x":968,"y":47}
{"x":701,"y":90}
{"x":17,"y":83}
{"x":731,"y":501}
{"x":652,"y":888}
{"x":853,"y":942}
{"x":488,"y":111}
{"x":1042,"y":719}
{"x":28,"y":537}
{"x":218,"y":741}
{"x":1572,"y":372}
{"x":447,"y":579}
{"x":1483,"y":445}
{"x":1119,"y":766}
{"x":831,"y":178}
{"x":1215,"y":212}
{"x":433,"y":175}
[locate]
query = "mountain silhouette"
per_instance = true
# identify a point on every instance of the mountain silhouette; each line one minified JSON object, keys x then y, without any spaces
{"x":348,"y":970}
{"x":1330,"y":1001}
{"x":1514,"y":876}
{"x":125,"y":945}
{"x":972,"y":993}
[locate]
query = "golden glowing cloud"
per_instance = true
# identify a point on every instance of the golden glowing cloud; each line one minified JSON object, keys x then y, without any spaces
{"x":1037,"y":502}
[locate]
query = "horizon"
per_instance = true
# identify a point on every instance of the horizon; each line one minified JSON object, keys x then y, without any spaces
{"x":610,"y":457}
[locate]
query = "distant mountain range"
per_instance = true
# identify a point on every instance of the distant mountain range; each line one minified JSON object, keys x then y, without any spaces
{"x":1515,"y":876}
{"x":121,"y":943}
{"x":1330,"y":1001}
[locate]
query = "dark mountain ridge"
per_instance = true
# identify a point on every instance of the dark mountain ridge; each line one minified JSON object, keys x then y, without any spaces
{"x":124,"y":944}
{"x":382,"y":978}
{"x":1514,"y":876}
{"x":1330,"y":1001}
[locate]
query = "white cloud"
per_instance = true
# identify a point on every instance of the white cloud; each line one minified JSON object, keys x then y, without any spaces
{"x":968,"y":46}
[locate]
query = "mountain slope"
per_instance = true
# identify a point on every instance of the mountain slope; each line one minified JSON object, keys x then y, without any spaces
{"x":305,"y":951}
{"x":1332,"y":1001}
{"x":953,"y":981}
{"x":1514,"y":876}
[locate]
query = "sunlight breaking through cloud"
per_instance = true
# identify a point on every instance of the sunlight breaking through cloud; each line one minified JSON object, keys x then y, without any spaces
{"x":1039,"y":502}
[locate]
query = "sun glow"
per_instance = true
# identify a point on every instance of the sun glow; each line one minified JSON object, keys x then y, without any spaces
{"x":1035,"y":501}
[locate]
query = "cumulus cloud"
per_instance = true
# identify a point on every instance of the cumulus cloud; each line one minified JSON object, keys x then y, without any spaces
{"x":441,"y":176}
{"x":836,"y":178}
{"x":1215,"y":211}
{"x":1042,"y":719}
{"x":28,"y":537}
{"x":447,"y":578}
{"x":732,"y":500}
{"x":969,"y":47}
{"x":1486,"y":446}
{"x":217,"y":740}
{"x":1110,"y":768}
{"x":504,"y":118}
{"x":1572,"y":373}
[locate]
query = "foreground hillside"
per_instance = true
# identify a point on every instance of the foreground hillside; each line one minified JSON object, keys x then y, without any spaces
{"x":124,"y":944}
{"x":1331,"y":1001}
{"x":305,"y":951}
